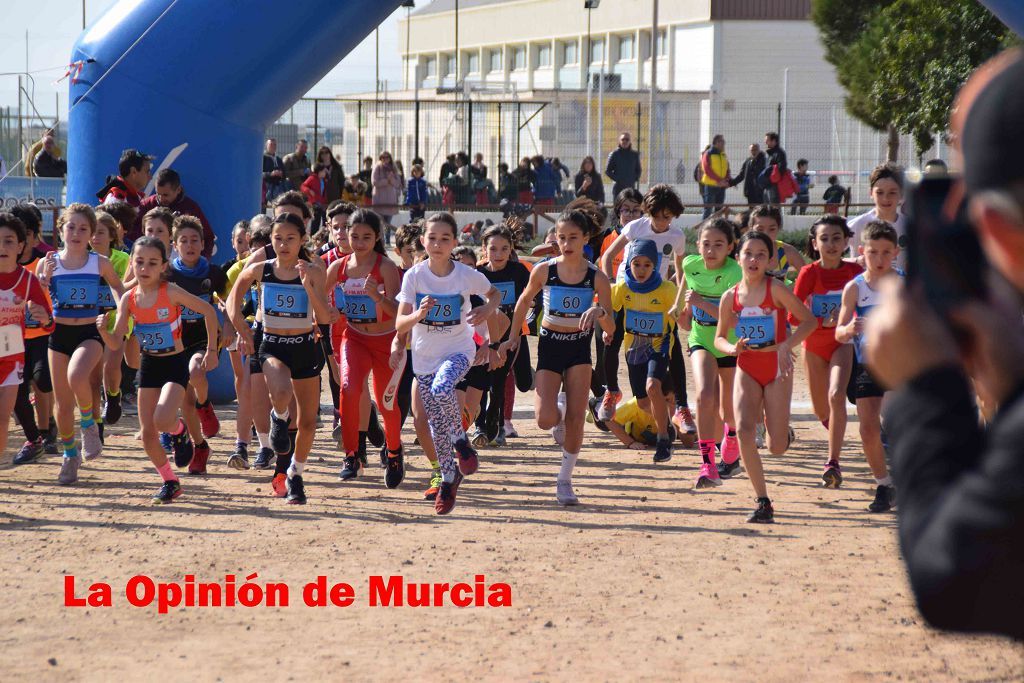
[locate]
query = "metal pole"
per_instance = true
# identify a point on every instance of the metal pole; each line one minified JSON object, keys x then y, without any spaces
{"x":590,"y":97}
{"x":316,"y":125}
{"x":469,"y":126}
{"x":416,"y":145}
{"x":499,"y":135}
{"x":586,"y":59}
{"x":83,"y":15}
{"x":519,"y":130}
{"x":785,"y":104}
{"x":21,"y":132}
{"x":456,"y":42}
{"x":600,"y":110}
{"x":408,"y":50}
{"x":376,"y":37}
{"x":359,"y":135}
{"x":654,"y":89}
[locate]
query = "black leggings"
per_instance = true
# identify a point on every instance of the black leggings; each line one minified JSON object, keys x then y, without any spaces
{"x":677,"y":370}
{"x":404,"y":396}
{"x":611,"y":354}
{"x":492,"y":403}
{"x":24,"y":411}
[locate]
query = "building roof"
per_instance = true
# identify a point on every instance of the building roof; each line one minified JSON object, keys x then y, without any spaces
{"x":439,"y":6}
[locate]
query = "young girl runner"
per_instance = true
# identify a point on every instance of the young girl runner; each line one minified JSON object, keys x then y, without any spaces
{"x":239,"y":458}
{"x":434,"y":306}
{"x":708,"y":274}
{"x":786,"y":259}
{"x":645,"y":300}
{"x":20,"y":294}
{"x":879,"y":248}
{"x":291,"y":291}
{"x":155,"y":307}
{"x":369,"y":283}
{"x":820,"y":286}
{"x":107,"y":242}
{"x":755,"y":308}
{"x":74,"y":276}
{"x":569,"y":284}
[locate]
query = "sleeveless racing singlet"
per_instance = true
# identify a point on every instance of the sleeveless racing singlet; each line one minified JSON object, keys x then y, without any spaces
{"x":284,"y":303}
{"x":867,"y":299}
{"x":158,"y":326}
{"x":351,"y":298}
{"x":564,"y":303}
{"x":75,"y":293}
{"x":12,"y":318}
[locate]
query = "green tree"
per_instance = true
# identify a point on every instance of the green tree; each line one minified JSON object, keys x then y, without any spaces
{"x":902,"y":61}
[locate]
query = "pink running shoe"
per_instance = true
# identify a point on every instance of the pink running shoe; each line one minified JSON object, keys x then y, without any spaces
{"x":708,"y":477}
{"x":730,"y":449}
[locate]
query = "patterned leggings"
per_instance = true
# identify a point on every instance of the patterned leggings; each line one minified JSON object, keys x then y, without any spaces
{"x":437,"y":391}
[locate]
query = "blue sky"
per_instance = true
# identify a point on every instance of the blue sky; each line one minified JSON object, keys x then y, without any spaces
{"x":53,"y":26}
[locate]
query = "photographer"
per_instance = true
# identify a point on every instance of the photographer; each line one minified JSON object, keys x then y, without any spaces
{"x":960,"y":487}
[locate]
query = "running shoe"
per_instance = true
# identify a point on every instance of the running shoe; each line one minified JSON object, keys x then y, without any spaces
{"x":592,"y":408}
{"x":30,"y":452}
{"x":181,"y":445}
{"x":208,"y":419}
{"x":468,"y":460}
{"x":759,"y":435}
{"x":708,"y":478}
{"x":296,"y":492}
{"x":730,"y":449}
{"x":394,"y":473}
{"x":350,"y":467}
{"x":885,"y":499}
{"x":239,"y":460}
{"x":764,"y":514}
{"x":199,"y":457}
{"x":492,"y":422}
{"x":279,"y":440}
{"x":609,"y":403}
{"x":279,"y":485}
{"x":383,"y":456}
{"x":103,"y":439}
{"x":663,"y":451}
{"x":263,"y":459}
{"x":129,"y":403}
{"x":69,"y":470}
{"x":445,"y":500}
{"x":168,"y":492}
{"x":435,"y":484}
{"x":499,"y":440}
{"x":50,"y":443}
{"x":832,"y":476}
{"x":510,"y":430}
{"x":112,"y":409}
{"x":478,"y":438}
{"x":727,"y":469}
{"x":374,"y":434}
{"x":165,"y":442}
{"x":564,"y":493}
{"x":685,"y":427}
{"x":92,"y":447}
{"x":336,"y":432}
{"x":792,"y":437}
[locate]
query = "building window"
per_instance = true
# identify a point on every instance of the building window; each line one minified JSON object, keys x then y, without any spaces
{"x":596,"y":51}
{"x":474,"y":63}
{"x":496,"y":61}
{"x":570,"y":54}
{"x":661,"y":44}
{"x":449,"y":65}
{"x":626,"y":48}
{"x":431,"y":67}
{"x":519,"y":58}
{"x":544,"y":56}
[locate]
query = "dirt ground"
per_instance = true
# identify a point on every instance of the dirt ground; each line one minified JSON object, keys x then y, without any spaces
{"x":647,"y":579}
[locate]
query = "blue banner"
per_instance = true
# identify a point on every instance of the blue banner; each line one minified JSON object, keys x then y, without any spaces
{"x":45,"y":193}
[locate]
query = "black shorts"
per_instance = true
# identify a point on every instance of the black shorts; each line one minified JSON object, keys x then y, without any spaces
{"x":255,"y":366}
{"x":193,"y":337}
{"x":156,"y":371}
{"x":862,"y":384}
{"x":300,"y":353}
{"x":66,"y":338}
{"x":723,"y":362}
{"x":478,"y":377}
{"x":655,"y":368}
{"x":559,"y":351}
{"x":37,"y":364}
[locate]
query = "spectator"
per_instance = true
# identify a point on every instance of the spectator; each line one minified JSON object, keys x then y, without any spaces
{"x":366,"y":174}
{"x":835,"y":194}
{"x":935,"y":168}
{"x":623,"y":165}
{"x":748,"y":175}
{"x":48,"y":163}
{"x":274,"y":181}
{"x":335,"y":180}
{"x":506,"y":184}
{"x":416,"y":194}
{"x":478,"y":170}
{"x":171,"y":195}
{"x":315,"y":185}
{"x":355,"y":191}
{"x":447,"y":168}
{"x":296,"y":165}
{"x":588,"y":181}
{"x":546,"y":182}
{"x":886,"y":183}
{"x":562,"y":169}
{"x":33,"y":220}
{"x":387,"y":191}
{"x":134,"y":170}
{"x":960,"y":486}
{"x":125,"y":215}
{"x":804,"y":187}
{"x":715,"y":178}
{"x":33,"y":151}
{"x":777,"y":158}
{"x":524,"y":180}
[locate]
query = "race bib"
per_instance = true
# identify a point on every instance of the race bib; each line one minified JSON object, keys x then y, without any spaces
{"x":702,"y":317}
{"x":825,"y":305}
{"x":645,"y":324}
{"x":339,"y":298}
{"x":11,"y":341}
{"x":76,"y":292}
{"x":155,"y":337}
{"x":360,"y":308}
{"x":508,"y":293}
{"x":189,"y":315}
{"x":105,"y":299}
{"x":568,"y":303}
{"x":446,"y":311}
{"x":758,"y":330}
{"x":285,"y":301}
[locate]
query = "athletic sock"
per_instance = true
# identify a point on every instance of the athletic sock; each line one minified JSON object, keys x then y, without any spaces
{"x":87,"y":420}
{"x":68,"y":444}
{"x":179,"y":429}
{"x":273,"y":411}
{"x":884,"y":481}
{"x":707,"y":451}
{"x":114,"y":394}
{"x":203,"y":404}
{"x":296,"y":468}
{"x":242,"y":444}
{"x":166,"y":472}
{"x":568,"y":463}
{"x":264,"y":439}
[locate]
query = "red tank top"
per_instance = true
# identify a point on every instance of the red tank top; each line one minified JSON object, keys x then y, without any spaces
{"x":359,"y":307}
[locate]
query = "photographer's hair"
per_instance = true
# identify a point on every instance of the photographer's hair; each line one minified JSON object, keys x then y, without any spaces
{"x":752,"y":235}
{"x":151,"y":243}
{"x":879,"y":230}
{"x":29,"y":215}
{"x":662,"y":197}
{"x":186,"y":222}
{"x":511,"y":230}
{"x":827,"y":219}
{"x":372,"y":219}
{"x":14,"y":224}
{"x":722,"y":225}
{"x":162,"y":214}
{"x":82,"y":210}
{"x":445,"y":218}
{"x":887,"y":170}
{"x":407,"y":234}
{"x":768,"y":211}
{"x":110,"y":223}
{"x":464,"y":250}
{"x":296,"y":199}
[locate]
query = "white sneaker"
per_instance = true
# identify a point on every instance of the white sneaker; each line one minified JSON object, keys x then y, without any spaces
{"x":92,"y":445}
{"x":69,"y":470}
{"x":564,"y":493}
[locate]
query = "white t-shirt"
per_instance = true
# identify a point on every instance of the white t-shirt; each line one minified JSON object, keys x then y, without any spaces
{"x":444,"y":332}
{"x":858,"y":224}
{"x":670,"y":243}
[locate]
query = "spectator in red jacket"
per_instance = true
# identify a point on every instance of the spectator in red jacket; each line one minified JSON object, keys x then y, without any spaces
{"x":171,"y":195}
{"x":315,"y":185}
{"x":135,"y":171}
